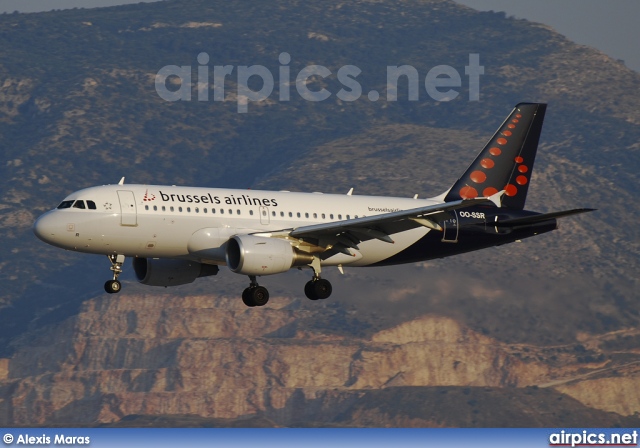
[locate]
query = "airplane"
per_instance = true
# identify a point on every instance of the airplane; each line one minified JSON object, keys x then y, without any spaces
{"x":176,"y":234}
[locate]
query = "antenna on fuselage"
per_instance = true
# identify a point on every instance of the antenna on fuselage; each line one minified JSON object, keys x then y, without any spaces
{"x":121,"y":181}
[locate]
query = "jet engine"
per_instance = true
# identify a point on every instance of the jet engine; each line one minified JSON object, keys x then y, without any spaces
{"x":169,"y":272}
{"x":257,"y":255}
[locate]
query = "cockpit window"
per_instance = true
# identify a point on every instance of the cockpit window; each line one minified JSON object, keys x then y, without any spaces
{"x":65,"y":204}
{"x":79,"y":204}
{"x":91,"y":205}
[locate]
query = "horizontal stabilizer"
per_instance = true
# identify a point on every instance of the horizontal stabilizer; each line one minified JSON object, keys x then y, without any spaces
{"x":542,"y":217}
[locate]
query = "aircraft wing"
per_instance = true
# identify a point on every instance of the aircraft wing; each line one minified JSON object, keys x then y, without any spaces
{"x":342,"y":235}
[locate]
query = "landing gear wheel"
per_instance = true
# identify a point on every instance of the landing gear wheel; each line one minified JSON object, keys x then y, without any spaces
{"x":260,"y":295}
{"x":322,"y":288}
{"x":246,"y":297}
{"x":318,"y":289}
{"x":112,"y":286}
{"x":255,"y":296}
{"x":309,"y":291}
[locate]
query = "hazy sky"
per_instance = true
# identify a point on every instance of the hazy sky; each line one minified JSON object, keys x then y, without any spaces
{"x":610,"y":26}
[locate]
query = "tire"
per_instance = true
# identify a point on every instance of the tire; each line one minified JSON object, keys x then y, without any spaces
{"x":322,"y":288}
{"x":247,"y":299}
{"x":112,"y":286}
{"x":260,"y":295}
{"x":309,"y":290}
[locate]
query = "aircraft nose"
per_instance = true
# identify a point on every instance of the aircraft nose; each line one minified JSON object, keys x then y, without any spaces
{"x":45,"y":228}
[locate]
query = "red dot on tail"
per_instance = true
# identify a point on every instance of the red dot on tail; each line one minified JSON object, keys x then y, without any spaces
{"x":511,"y":190}
{"x":495,"y":151}
{"x":487,"y":163}
{"x":506,"y":133}
{"x":501,"y":141}
{"x":521,"y":180}
{"x":519,"y":159}
{"x":523,"y":168}
{"x":489,"y":191}
{"x":478,"y":177}
{"x":511,"y":126}
{"x":514,"y":120}
{"x":468,"y":193}
{"x":518,"y":115}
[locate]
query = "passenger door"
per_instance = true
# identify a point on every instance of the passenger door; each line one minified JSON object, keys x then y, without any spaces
{"x":128,"y":211}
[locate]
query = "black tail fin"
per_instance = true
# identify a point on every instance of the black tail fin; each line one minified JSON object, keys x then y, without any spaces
{"x":506,"y":162}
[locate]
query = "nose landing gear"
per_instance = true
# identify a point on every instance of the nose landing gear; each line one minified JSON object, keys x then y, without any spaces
{"x":114,"y":286}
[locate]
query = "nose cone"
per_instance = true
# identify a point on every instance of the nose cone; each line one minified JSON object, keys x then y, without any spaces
{"x":45,"y":228}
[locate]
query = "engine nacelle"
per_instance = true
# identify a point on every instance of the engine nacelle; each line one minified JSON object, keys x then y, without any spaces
{"x":258,"y":255}
{"x":170,"y":272}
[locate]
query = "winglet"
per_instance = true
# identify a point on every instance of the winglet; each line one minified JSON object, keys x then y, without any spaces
{"x":350,"y":192}
{"x":121,"y":181}
{"x":496,"y":198}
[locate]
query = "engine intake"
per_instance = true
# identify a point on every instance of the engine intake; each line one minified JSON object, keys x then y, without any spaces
{"x":169,"y":272}
{"x":257,"y":255}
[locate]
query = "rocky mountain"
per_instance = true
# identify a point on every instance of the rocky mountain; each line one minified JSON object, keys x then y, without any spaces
{"x":157,"y":354}
{"x":538,"y":333}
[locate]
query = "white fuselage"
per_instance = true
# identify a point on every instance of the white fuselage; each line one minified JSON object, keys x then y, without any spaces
{"x":191,"y":223}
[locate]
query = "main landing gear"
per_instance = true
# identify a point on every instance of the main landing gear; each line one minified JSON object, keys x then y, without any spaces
{"x":114,"y":286}
{"x":255,"y":295}
{"x":316,"y":289}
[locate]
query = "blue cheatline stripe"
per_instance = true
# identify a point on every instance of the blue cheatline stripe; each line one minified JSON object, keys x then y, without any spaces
{"x":295,"y":437}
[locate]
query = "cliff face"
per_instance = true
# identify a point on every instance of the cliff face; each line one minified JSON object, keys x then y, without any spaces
{"x":214,"y":358}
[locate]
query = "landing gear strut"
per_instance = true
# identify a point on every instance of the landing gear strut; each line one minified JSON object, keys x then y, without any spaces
{"x":114,"y":286}
{"x":317,"y":288}
{"x":255,"y":295}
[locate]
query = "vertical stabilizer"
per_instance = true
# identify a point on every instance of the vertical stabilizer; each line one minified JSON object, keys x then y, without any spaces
{"x":506,"y":162}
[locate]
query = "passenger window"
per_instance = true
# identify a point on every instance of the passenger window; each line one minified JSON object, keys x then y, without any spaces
{"x":306,"y":215}
{"x":290,"y":215}
{"x":251,"y":212}
{"x":171,"y":208}
{"x":238,"y":211}
{"x":273,"y":214}
{"x":204,"y":210}
{"x":348,"y":217}
{"x":79,"y":204}
{"x":197,"y":210}
{"x":146,"y":207}
{"x":180,"y":209}
{"x":298,"y":214}
{"x":213,"y":210}
{"x":155,"y":208}
{"x":91,"y":205}
{"x":323,"y":217}
{"x":230,"y":212}
{"x":163,"y":208}
{"x":282,"y":214}
{"x":331,"y":216}
{"x":188,"y":209}
{"x":222,"y":211}
{"x":339,"y":216}
{"x":315,"y":215}
{"x":65,"y":204}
